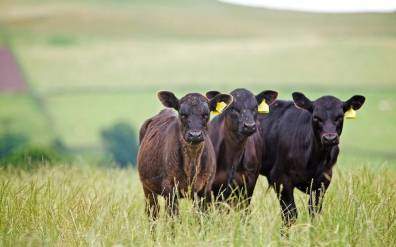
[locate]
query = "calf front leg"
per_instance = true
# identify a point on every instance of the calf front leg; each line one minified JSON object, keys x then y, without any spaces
{"x":229,"y":190}
{"x":250,"y":188}
{"x":172,"y":204}
{"x":316,"y":195}
{"x":288,"y":206}
{"x":245,"y":192}
{"x":315,"y":201}
{"x":152,"y":206}
{"x":204,"y":198}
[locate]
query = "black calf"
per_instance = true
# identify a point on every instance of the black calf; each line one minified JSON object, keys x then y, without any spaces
{"x":301,"y":147}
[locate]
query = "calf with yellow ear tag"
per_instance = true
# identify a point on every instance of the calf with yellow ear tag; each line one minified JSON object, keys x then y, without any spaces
{"x":237,"y":144}
{"x":328,"y":113}
{"x":301,"y":146}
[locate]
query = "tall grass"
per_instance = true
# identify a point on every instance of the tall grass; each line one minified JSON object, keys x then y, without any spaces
{"x":92,"y":206}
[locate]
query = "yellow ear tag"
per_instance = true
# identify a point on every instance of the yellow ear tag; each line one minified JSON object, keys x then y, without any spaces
{"x":350,"y":114}
{"x":219,"y":108}
{"x":263,"y":107}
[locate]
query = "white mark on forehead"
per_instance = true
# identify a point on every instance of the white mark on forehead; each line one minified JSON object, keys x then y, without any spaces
{"x":195,"y":101}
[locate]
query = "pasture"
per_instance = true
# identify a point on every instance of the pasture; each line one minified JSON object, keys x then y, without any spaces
{"x":91,"y":63}
{"x":82,"y":205}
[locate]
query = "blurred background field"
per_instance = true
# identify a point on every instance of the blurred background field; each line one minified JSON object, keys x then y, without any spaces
{"x":89,"y":64}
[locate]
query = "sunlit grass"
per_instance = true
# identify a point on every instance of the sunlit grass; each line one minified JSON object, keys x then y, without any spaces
{"x":92,"y":206}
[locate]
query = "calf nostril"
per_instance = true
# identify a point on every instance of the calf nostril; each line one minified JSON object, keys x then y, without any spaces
{"x":195,"y":133}
{"x":250,"y":125}
{"x":330,"y":137}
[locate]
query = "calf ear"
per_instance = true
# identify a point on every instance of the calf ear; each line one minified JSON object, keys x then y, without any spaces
{"x":212,"y":94}
{"x":301,"y":101}
{"x":268,"y":95}
{"x":220,"y":98}
{"x":355,"y":102}
{"x":168,"y":99}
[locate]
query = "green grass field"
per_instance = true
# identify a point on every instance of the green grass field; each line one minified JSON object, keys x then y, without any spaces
{"x":83,"y":206}
{"x":91,"y":63}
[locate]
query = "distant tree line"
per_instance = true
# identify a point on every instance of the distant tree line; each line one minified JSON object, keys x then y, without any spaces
{"x":16,"y":150}
{"x":119,"y":142}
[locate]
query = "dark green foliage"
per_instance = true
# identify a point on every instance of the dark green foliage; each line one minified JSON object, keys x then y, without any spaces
{"x":59,"y":146}
{"x":120,"y":142}
{"x":31,"y":157}
{"x":10,"y":142}
{"x":16,"y":151}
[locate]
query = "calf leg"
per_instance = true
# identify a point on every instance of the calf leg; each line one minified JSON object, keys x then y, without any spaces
{"x":250,"y":189}
{"x":172,"y":204}
{"x":288,"y":206}
{"x":315,"y":201}
{"x":245,"y":192}
{"x":316,"y":196}
{"x":242,"y":198}
{"x":237,"y":197}
{"x":318,"y":190}
{"x":152,"y":206}
{"x":205,"y":198}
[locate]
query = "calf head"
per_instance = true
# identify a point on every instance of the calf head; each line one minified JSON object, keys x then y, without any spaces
{"x":241,"y":114}
{"x":193,"y":112}
{"x":327,"y":115}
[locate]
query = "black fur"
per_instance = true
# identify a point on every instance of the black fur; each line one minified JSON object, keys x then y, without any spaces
{"x":301,"y":147}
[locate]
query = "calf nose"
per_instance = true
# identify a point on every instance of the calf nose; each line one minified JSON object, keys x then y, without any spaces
{"x":249,"y":125}
{"x":249,"y":128}
{"x":195,"y":136}
{"x":330,"y":138}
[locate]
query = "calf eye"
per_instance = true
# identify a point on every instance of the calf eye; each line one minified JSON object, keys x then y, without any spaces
{"x":234,"y":113}
{"x":317,"y":120}
{"x":183,"y":115}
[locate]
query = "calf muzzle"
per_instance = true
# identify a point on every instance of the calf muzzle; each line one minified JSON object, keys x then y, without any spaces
{"x":330,"y":139}
{"x":249,"y":128}
{"x":195,"y":136}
